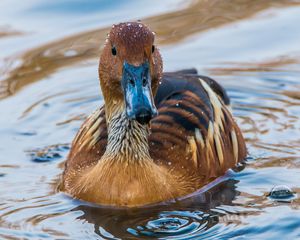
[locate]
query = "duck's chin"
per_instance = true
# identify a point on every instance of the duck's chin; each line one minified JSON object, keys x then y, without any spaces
{"x":141,"y":121}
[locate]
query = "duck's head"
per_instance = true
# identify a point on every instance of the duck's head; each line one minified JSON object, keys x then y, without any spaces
{"x":130,"y":70}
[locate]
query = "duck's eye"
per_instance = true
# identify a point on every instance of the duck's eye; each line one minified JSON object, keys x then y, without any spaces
{"x":153,"y":48}
{"x":114,"y":51}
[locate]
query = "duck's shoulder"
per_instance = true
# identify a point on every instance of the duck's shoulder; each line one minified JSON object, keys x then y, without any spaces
{"x":188,"y":80}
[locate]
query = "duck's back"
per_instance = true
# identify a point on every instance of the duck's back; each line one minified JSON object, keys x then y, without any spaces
{"x":194,"y":132}
{"x":193,"y":135}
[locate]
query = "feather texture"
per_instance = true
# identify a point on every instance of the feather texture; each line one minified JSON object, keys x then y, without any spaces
{"x":194,"y":130}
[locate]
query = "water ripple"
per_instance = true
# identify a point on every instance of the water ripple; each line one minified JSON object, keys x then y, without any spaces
{"x":174,"y":225}
{"x":48,"y":153}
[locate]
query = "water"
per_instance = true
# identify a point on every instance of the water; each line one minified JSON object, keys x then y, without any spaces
{"x":49,"y":84}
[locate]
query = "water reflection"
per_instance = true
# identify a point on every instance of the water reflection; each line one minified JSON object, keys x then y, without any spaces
{"x":173,"y":27}
{"x":8,"y":32}
{"x":182,"y":219}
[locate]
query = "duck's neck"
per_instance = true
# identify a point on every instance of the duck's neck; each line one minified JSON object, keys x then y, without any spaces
{"x":127,"y":139}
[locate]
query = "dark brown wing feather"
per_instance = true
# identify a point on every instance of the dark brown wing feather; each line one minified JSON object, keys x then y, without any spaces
{"x":182,"y":136}
{"x":194,"y":129}
{"x":187,"y":80}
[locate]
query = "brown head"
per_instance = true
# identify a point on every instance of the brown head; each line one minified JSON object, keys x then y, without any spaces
{"x":130,"y":70}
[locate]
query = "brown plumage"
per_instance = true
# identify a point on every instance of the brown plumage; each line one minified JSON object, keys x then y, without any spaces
{"x":115,"y":160}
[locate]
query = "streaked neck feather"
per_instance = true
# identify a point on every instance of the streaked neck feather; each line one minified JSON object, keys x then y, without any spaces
{"x":127,"y":139}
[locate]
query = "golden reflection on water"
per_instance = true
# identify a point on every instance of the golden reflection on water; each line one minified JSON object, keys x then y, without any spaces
{"x":266,"y":66}
{"x":196,"y":17}
{"x":7,"y":33}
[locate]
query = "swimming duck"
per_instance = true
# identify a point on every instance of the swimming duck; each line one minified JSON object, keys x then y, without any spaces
{"x":159,"y":136}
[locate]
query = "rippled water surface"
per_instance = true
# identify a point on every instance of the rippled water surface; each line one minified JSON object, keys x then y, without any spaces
{"x":49,"y":84}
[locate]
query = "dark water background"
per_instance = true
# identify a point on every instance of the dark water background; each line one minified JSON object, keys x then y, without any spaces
{"x":48,"y":84}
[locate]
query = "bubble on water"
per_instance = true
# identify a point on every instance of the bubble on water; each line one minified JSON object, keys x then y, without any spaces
{"x":281,"y":193}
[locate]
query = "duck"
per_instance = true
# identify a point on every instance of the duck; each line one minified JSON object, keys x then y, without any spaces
{"x":158,"y":137}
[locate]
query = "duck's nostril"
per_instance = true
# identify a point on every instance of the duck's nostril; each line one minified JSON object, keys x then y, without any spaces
{"x":143,"y":116}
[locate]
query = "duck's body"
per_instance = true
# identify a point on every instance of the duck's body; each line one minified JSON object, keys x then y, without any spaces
{"x":120,"y":161}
